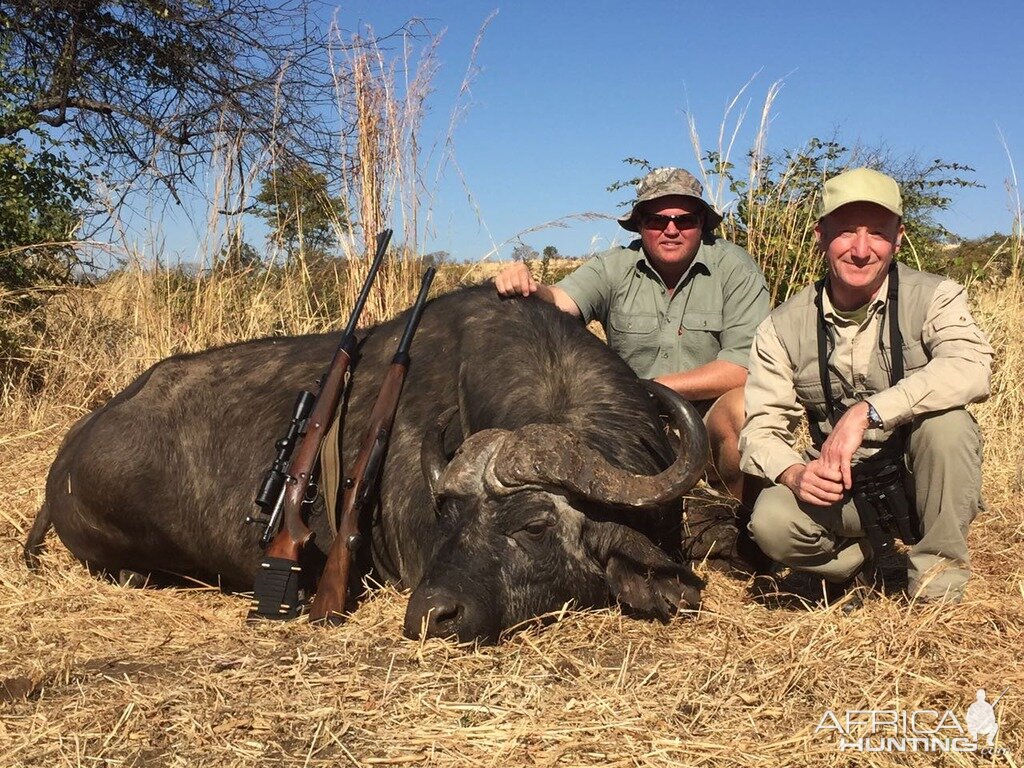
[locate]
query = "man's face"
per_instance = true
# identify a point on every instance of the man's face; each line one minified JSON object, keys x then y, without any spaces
{"x":671,"y":245}
{"x":859,"y":241}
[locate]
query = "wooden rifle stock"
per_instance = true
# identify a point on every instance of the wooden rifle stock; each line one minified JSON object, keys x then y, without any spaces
{"x":332,"y":591}
{"x":276,"y":589}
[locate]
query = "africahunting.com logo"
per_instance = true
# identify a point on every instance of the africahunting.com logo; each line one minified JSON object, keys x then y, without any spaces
{"x":916,"y":730}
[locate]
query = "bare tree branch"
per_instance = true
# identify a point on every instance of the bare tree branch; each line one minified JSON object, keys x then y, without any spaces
{"x":152,"y":84}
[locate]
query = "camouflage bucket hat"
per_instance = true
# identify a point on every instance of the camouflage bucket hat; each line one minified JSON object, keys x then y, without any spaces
{"x":663,"y":182}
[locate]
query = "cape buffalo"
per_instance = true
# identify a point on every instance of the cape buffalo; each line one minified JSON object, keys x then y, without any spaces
{"x":552,"y":496}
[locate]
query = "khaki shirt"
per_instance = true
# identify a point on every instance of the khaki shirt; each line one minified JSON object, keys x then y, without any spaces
{"x":711,"y":315}
{"x":948,"y":364}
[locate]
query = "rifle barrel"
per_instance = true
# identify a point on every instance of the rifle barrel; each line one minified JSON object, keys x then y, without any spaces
{"x":357,"y":309}
{"x":402,"y":354}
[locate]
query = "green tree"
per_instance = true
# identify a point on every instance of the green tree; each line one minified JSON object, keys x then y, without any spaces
{"x":302,"y":214}
{"x":550,"y":252}
{"x":983,"y":258}
{"x":41,"y":192}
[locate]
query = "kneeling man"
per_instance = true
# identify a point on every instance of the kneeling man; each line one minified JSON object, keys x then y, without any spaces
{"x":882,"y":359}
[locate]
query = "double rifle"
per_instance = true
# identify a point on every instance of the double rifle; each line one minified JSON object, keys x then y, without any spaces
{"x":287,"y":489}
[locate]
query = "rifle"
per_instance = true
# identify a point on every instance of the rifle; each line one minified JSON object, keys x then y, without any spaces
{"x":286,"y":493}
{"x":332,"y":591}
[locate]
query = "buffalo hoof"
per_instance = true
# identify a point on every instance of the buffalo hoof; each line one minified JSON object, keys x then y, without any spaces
{"x":715,"y":532}
{"x":132,"y":579}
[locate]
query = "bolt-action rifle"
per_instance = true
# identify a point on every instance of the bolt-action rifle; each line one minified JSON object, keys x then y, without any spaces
{"x":285,"y":493}
{"x":358,"y":498}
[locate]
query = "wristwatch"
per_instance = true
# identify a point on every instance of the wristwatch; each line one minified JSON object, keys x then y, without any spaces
{"x":874,"y":420}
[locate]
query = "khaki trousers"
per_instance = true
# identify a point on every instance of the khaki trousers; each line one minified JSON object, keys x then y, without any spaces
{"x":944,"y":457}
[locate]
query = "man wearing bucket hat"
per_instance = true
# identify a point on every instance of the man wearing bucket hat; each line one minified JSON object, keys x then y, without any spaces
{"x":882,"y":360}
{"x":678,"y":304}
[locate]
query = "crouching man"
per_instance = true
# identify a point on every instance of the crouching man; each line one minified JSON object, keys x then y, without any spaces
{"x":882,"y":359}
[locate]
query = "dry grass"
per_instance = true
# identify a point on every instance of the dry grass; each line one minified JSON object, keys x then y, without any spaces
{"x":94,"y":674}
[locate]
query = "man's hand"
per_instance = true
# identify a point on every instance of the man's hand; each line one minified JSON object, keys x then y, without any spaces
{"x":813,"y":483}
{"x":847,"y":435}
{"x":515,"y":280}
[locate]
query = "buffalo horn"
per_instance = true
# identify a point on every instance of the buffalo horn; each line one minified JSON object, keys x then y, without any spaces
{"x":548,"y":454}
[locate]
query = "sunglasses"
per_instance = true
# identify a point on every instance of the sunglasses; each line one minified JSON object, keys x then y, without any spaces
{"x":660,"y":221}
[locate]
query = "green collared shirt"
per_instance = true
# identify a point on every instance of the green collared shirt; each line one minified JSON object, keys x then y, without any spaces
{"x":712,"y":314}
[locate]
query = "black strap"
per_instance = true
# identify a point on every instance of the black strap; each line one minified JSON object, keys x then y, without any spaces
{"x":825,"y":338}
{"x":892,"y":312}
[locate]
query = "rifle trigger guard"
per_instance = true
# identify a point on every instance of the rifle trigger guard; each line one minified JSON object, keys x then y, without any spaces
{"x":311,"y":491}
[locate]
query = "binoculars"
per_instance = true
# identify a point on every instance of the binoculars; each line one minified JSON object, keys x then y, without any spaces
{"x":880,"y":496}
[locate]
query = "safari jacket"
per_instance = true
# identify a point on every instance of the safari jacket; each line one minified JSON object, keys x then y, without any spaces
{"x":947,"y":362}
{"x":711,"y":315}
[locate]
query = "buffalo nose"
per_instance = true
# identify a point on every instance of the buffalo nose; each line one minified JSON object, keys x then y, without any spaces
{"x":433,"y":613}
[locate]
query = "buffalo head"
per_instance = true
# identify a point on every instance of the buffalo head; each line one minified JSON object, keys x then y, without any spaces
{"x":534,"y":518}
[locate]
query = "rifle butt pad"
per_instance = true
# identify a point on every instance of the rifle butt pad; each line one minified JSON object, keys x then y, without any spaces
{"x":275,"y":593}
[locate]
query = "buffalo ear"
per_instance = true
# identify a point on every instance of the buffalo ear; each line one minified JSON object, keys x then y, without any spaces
{"x":640,"y":575}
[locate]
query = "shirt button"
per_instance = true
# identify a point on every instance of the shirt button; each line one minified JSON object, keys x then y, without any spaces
{"x":665,"y":355}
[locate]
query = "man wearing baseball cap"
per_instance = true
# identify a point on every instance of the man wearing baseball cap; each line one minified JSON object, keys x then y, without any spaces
{"x":882,"y":360}
{"x":679,"y":304}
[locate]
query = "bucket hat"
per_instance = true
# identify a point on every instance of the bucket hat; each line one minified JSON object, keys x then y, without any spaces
{"x":663,"y":182}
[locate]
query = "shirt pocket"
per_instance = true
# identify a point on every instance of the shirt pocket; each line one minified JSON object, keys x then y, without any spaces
{"x":915,"y":357}
{"x":702,"y":336}
{"x":634,"y":336}
{"x":811,"y":395}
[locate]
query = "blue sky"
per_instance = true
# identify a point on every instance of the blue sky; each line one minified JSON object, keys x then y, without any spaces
{"x":566,"y":90}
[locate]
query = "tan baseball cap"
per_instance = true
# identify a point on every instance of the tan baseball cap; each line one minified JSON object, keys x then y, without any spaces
{"x":861,"y":185}
{"x":663,"y":182}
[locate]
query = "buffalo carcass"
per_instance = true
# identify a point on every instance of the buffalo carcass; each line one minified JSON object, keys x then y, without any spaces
{"x":549,"y":499}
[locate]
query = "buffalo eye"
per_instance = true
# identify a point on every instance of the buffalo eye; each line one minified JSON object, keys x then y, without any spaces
{"x":534,"y":530}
